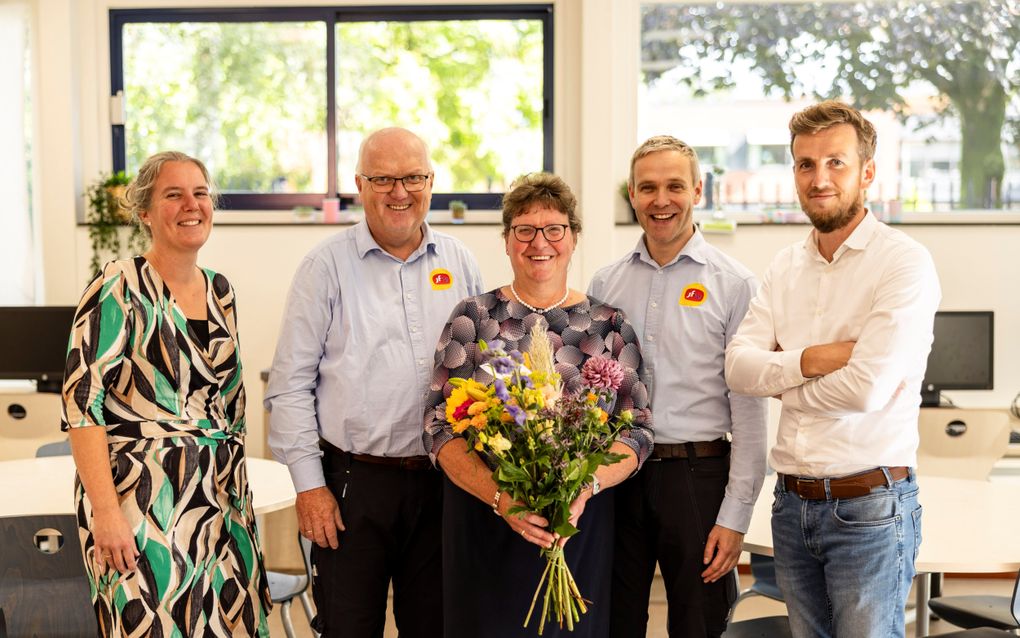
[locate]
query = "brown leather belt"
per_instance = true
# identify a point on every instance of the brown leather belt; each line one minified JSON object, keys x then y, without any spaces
{"x":702,"y":449}
{"x":402,"y":462}
{"x":846,"y":487}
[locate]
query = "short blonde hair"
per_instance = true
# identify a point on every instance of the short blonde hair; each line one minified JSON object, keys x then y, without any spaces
{"x":138,"y":195}
{"x":540,"y":188}
{"x":659,"y":143}
{"x":830,"y":113}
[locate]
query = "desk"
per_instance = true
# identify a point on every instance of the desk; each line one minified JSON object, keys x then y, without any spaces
{"x":967,"y":526}
{"x":46,"y":486}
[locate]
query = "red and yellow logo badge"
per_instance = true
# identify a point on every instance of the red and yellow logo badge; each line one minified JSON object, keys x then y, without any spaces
{"x":441,"y":279}
{"x":693,"y":295}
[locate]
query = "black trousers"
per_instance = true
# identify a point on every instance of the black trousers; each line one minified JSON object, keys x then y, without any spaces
{"x":664,"y":515}
{"x":393,"y":519}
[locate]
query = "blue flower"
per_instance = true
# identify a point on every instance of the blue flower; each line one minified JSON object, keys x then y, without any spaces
{"x":502,"y":365}
{"x":518,"y":414}
{"x":501,"y":392}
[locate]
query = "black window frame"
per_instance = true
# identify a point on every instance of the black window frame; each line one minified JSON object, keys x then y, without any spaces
{"x":331,"y":15}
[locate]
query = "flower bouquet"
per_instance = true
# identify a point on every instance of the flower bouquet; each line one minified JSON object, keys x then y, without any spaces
{"x":545,"y":445}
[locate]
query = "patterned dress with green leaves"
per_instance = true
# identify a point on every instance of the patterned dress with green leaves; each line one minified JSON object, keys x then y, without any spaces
{"x":172,"y":404}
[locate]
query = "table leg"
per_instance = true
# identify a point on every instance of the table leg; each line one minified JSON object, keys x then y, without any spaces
{"x":922,"y":588}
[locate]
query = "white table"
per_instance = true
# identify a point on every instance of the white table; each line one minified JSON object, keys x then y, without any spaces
{"x":967,"y":526}
{"x":46,"y":486}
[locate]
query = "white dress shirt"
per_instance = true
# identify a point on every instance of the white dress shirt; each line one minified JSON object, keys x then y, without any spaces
{"x":881,"y":290}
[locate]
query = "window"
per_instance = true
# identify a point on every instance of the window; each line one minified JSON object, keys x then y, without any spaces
{"x":920,"y":70}
{"x":18,"y":284}
{"x":277,"y":101}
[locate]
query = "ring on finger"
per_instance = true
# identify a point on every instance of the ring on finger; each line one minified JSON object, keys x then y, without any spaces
{"x":524,"y":533}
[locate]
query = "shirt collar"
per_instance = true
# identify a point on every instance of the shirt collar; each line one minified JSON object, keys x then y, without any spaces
{"x":693,"y":249}
{"x":858,"y":239}
{"x":365,"y":243}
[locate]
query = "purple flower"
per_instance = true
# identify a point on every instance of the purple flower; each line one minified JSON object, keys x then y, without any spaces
{"x":518,"y":414}
{"x":502,"y":365}
{"x":501,"y":392}
{"x":517,"y":356}
{"x":600,"y":372}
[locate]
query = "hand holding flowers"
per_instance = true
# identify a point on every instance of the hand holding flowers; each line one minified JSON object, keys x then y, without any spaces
{"x":545,"y":446}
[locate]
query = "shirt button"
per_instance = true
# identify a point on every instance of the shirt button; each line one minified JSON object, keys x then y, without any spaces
{"x":421,"y":362}
{"x":651,"y":337}
{"x":655,"y":305}
{"x":414,"y":329}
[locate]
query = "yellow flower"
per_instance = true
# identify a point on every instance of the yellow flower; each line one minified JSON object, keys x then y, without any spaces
{"x":498,"y":444}
{"x":476,"y":390}
{"x":460,"y":426}
{"x":482,"y":439}
{"x":457,"y":397}
{"x":478,"y":407}
{"x":479,"y":421}
{"x":603,"y":417}
{"x":592,"y":398}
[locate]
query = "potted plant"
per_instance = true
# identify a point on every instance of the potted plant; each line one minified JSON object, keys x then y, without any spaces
{"x":625,"y":194}
{"x":457,"y":210}
{"x":105,"y":218}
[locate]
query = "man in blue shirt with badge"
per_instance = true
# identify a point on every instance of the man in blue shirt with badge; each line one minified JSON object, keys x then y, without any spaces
{"x":347,"y":393}
{"x":690,"y":505}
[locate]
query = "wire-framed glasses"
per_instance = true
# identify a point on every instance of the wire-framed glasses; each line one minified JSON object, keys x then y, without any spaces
{"x":384,"y":184}
{"x":551,"y":232}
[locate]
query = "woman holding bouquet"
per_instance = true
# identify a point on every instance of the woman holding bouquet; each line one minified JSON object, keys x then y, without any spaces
{"x":491,"y":558}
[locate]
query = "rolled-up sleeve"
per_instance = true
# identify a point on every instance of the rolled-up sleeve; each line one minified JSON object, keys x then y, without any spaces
{"x":753,"y":366}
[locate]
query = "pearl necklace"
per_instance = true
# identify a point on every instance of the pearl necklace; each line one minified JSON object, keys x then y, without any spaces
{"x":538,"y":310}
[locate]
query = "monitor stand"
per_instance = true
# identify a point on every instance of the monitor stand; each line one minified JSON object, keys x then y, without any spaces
{"x":931,"y":398}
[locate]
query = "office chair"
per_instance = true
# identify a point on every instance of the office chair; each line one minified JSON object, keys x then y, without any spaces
{"x":283,"y":588}
{"x":763,"y":569}
{"x":971,"y":612}
{"x":44,"y":593}
{"x":58,"y":448}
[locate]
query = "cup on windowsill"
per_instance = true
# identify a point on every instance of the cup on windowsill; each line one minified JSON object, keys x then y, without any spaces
{"x":331,"y":210}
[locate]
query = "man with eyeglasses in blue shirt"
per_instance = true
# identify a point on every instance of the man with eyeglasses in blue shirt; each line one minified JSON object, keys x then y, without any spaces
{"x":347,"y":391}
{"x":690,"y":505}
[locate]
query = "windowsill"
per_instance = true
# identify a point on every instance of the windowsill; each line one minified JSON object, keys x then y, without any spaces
{"x":796,"y":218}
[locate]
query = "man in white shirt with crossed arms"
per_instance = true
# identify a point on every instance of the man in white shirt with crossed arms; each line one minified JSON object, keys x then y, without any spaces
{"x":840,"y":331}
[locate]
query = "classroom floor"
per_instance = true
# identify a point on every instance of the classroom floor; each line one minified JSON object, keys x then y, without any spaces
{"x":752,"y":607}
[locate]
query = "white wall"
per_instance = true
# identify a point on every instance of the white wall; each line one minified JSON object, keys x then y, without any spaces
{"x":595,"y":133}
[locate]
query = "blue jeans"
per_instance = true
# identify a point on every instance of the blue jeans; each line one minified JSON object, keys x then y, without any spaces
{"x":845,"y":565}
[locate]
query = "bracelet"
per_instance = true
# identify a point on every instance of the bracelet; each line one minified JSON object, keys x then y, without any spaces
{"x":495,"y":502}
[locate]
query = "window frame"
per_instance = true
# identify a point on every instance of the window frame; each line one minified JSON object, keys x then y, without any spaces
{"x":330,"y":16}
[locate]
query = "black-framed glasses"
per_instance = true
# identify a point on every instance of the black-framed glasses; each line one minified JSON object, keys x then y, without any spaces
{"x":384,"y":184}
{"x":551,"y":232}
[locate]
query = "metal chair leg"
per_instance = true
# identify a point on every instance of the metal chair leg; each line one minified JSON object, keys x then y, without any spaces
{"x":306,"y":602}
{"x":288,"y":625}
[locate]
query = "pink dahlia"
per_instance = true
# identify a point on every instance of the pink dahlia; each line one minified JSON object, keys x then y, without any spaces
{"x":599,"y":372}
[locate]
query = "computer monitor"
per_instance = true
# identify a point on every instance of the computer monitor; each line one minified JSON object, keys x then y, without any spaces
{"x":33,"y":344}
{"x":961,"y":355}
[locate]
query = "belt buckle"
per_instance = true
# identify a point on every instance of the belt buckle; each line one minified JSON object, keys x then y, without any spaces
{"x":807,"y":482}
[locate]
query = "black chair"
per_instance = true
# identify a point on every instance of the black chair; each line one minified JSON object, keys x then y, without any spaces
{"x":972,"y":612}
{"x":766,"y":627}
{"x":284,"y":588}
{"x":43,"y":587}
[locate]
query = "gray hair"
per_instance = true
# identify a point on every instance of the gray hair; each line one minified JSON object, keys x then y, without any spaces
{"x":138,"y":195}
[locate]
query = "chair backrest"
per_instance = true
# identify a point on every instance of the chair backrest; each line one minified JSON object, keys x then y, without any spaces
{"x":44,"y":594}
{"x":58,"y":448}
{"x":961,"y":443}
{"x":1014,"y":606}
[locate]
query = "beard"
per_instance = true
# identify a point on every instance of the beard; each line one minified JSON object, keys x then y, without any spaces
{"x":827,"y":223}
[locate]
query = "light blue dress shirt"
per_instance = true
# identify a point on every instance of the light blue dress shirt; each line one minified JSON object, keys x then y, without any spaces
{"x":354,"y":357}
{"x":685,"y":313}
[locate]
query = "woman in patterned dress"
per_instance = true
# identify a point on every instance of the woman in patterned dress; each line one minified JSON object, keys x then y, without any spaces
{"x":490,"y":563}
{"x":154,"y":403}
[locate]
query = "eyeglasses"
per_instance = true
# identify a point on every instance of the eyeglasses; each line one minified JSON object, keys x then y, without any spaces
{"x":551,"y":232}
{"x":384,"y":184}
